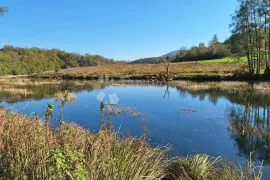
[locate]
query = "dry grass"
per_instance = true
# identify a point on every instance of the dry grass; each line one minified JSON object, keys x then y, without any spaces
{"x":23,"y":81}
{"x":204,"y":167}
{"x":231,"y":86}
{"x":32,"y":150}
{"x":130,"y":70}
{"x":65,"y":96}
{"x":16,"y":91}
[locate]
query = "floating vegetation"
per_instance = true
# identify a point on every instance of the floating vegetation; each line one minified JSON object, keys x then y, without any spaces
{"x":65,"y":97}
{"x":190,"y":110}
{"x":125,"y":110}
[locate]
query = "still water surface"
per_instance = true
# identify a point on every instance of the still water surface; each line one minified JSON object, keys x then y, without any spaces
{"x":192,"y":122}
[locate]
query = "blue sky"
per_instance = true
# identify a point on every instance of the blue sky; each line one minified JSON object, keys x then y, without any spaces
{"x":119,"y":29}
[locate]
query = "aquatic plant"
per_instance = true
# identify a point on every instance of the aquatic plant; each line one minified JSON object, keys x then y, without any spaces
{"x":64,"y":98}
{"x":49,"y":112}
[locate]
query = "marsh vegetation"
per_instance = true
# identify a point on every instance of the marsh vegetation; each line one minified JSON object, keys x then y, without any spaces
{"x":71,"y":152}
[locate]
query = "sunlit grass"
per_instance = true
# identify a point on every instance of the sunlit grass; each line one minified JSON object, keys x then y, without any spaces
{"x":16,"y":91}
{"x":148,"y":71}
{"x":222,"y":60}
{"x":31,"y":150}
{"x":230,"y":86}
{"x":26,"y":146}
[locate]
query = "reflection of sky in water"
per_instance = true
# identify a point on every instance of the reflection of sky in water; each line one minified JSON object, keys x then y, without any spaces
{"x":191,"y":122}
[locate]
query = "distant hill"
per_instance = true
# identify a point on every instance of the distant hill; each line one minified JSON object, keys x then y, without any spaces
{"x":171,"y":54}
{"x":151,"y":60}
{"x":155,"y":60}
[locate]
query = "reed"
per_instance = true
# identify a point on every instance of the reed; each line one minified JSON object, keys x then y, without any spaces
{"x":16,"y":91}
{"x":230,"y":86}
{"x":31,"y":149}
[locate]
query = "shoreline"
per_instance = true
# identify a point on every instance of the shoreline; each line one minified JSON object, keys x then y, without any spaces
{"x":178,"y":77}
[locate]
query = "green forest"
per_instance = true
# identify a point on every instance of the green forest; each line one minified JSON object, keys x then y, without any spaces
{"x":252,"y":22}
{"x":214,"y":50}
{"x":16,"y":60}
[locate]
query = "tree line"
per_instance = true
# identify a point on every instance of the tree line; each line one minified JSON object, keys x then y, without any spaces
{"x":214,"y":50}
{"x":251,"y":22}
{"x":3,"y":10}
{"x":16,"y":60}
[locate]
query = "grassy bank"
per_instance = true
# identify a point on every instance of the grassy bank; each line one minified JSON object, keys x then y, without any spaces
{"x":227,"y":86}
{"x":222,"y":60}
{"x":208,"y":70}
{"x":30,"y":149}
{"x":24,"y":87}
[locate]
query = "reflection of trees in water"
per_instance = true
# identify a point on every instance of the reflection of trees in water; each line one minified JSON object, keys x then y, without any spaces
{"x":212,"y":95}
{"x":251,"y":125}
{"x":252,"y":118}
{"x":245,"y":98}
{"x":47,"y":90}
{"x":167,"y":92}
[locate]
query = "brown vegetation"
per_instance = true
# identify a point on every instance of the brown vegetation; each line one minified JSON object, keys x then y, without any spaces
{"x":32,"y":150}
{"x":149,"y":70}
{"x":15,"y":91}
{"x":231,"y":86}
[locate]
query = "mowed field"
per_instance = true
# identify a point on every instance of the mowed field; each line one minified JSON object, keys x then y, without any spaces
{"x":177,"y":70}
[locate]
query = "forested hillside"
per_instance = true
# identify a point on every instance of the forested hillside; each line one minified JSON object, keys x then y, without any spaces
{"x":213,"y":50}
{"x":16,"y":60}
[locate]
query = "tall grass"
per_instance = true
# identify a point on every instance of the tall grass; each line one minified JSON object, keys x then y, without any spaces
{"x":30,"y":149}
{"x":230,"y":86}
{"x":149,"y":71}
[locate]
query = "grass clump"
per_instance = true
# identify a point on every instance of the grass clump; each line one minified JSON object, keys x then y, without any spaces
{"x":204,"y":167}
{"x":199,"y":166}
{"x":29,"y":149}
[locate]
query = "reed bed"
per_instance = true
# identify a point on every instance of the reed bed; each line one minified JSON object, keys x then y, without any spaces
{"x":23,"y":81}
{"x":155,"y":68}
{"x":30,"y":149}
{"x":16,"y":91}
{"x":231,"y":86}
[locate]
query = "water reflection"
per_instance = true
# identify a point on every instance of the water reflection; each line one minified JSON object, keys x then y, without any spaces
{"x":248,"y":112}
{"x":250,"y":126}
{"x":167,"y":92}
{"x":249,"y":120}
{"x":40,"y":92}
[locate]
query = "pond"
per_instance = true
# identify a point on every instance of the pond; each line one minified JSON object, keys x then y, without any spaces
{"x":218,"y":123}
